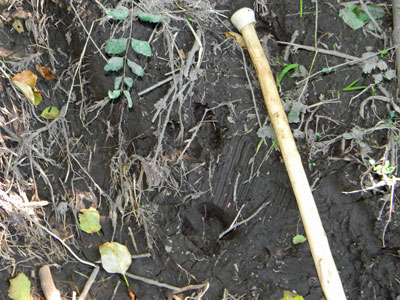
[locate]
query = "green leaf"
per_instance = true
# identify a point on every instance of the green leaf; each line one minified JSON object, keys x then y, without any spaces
{"x":128,"y":98}
{"x":325,"y":70}
{"x":128,"y":81}
{"x":115,"y":258}
{"x":298,"y":239}
{"x":288,"y":295}
{"x":141,"y":47}
{"x":50,"y":113}
{"x":20,"y":288}
{"x":114,"y":94}
{"x":114,"y":64}
{"x":375,"y":11}
{"x":285,"y":71}
{"x":138,"y":70}
{"x":149,"y":17}
{"x":116,"y":46}
{"x":350,"y":17}
{"x":351,"y":86}
{"x":117,"y":82}
{"x":119,"y":13}
{"x":89,"y":220}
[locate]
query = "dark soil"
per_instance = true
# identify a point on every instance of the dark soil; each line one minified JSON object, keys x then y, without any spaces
{"x":222,"y":169}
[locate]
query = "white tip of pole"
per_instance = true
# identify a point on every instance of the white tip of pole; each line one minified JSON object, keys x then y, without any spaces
{"x":243,"y":17}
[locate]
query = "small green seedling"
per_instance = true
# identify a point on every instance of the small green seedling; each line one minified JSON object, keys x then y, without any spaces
{"x":285,"y":71}
{"x":384,"y":169}
{"x":288,"y":295}
{"x":351,"y":86}
{"x":298,"y":239}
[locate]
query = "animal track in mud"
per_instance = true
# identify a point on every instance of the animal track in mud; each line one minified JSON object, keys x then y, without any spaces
{"x":203,"y":224}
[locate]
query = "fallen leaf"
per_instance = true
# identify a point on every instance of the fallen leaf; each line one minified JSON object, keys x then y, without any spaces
{"x":45,"y":72}
{"x":20,"y":288}
{"x":27,"y":77}
{"x":238,"y":37}
{"x":182,"y":53}
{"x":115,"y":258}
{"x":25,"y":82}
{"x":89,"y":220}
{"x":50,"y":113}
{"x":17,"y":25}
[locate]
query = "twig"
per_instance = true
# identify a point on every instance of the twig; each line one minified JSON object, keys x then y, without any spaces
{"x":396,"y":33}
{"x":352,"y":62}
{"x":46,"y":281}
{"x":320,"y":50}
{"x":87,"y":32}
{"x":158,"y":84}
{"x":234,"y":225}
{"x":152,"y":282}
{"x":292,"y":39}
{"x":89,"y":283}
{"x":63,"y":243}
{"x":198,"y":42}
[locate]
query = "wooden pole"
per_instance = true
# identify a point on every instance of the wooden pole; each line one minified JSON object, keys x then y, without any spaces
{"x":244,"y":21}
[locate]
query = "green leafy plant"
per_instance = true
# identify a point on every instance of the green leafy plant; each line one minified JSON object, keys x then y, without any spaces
{"x":384,"y":169}
{"x":121,"y":46}
{"x":298,"y":239}
{"x":352,"y":87}
{"x":285,"y":71}
{"x":288,"y":295}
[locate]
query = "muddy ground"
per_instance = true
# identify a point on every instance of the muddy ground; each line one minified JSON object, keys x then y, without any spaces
{"x":134,"y":166}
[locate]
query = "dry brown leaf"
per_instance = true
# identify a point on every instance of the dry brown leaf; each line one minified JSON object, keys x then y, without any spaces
{"x":45,"y":72}
{"x":131,"y":295}
{"x":182,"y":53}
{"x":27,"y":77}
{"x":238,"y":37}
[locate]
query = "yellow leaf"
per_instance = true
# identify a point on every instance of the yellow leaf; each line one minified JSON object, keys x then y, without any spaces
{"x":25,"y":82}
{"x":27,"y":77}
{"x":50,"y":113}
{"x":89,"y":219}
{"x":238,"y":37}
{"x":20,"y":288}
{"x":26,"y":90}
{"x":17,"y":25}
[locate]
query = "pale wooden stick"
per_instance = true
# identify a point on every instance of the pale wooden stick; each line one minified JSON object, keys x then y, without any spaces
{"x":89,"y":283}
{"x":46,"y":281}
{"x":244,"y":21}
